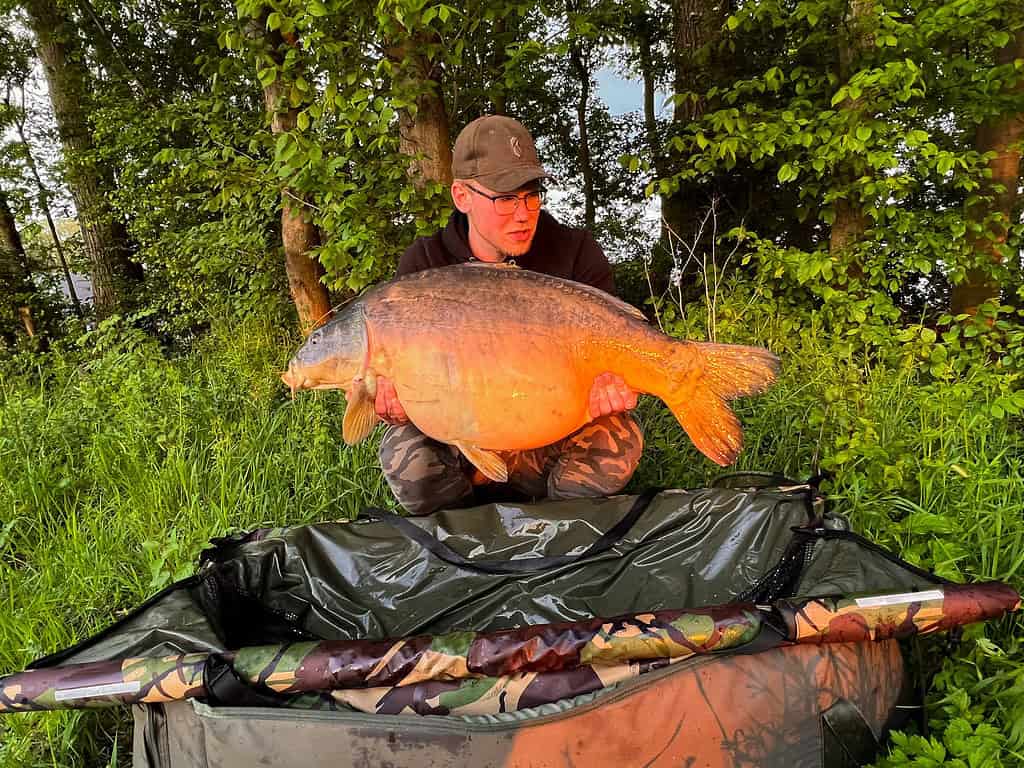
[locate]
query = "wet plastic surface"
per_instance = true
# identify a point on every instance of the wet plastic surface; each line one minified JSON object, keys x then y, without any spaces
{"x":368,"y":580}
{"x":365,"y":580}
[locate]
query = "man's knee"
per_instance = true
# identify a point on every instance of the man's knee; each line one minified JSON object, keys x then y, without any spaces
{"x":423,"y":474}
{"x":599,"y":460}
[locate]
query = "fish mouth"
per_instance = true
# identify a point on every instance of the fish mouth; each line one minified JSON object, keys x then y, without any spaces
{"x":296,"y":380}
{"x":292,"y":380}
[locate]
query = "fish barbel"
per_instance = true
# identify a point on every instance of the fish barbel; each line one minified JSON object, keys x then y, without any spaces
{"x":492,"y":358}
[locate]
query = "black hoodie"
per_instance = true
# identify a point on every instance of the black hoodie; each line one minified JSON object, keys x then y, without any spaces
{"x":556,"y":250}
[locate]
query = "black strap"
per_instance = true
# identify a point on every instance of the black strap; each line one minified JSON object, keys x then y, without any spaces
{"x":226,"y":688}
{"x":524,"y":565}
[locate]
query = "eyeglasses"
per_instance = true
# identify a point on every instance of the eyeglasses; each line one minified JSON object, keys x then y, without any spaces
{"x":506,"y":205}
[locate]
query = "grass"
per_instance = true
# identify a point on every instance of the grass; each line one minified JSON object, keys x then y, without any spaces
{"x":116,"y":472}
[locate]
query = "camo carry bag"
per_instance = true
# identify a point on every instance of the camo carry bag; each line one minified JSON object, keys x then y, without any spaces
{"x":740,"y":625}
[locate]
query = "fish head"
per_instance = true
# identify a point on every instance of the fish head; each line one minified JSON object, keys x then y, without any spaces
{"x":333,"y":355}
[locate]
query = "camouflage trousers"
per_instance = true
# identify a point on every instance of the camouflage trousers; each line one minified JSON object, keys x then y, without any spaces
{"x":426,"y":475}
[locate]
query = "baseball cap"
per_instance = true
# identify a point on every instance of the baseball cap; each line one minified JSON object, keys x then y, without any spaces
{"x":498,"y":152}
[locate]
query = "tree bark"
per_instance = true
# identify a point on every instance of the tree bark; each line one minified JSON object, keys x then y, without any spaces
{"x":696,"y":26}
{"x":582,"y":71}
{"x":650,"y":88}
{"x":850,"y":223}
{"x":848,"y":228}
{"x":13,"y":262}
{"x":298,"y":231}
{"x":672,"y":212}
{"x":499,"y":61}
{"x":1001,"y":134}
{"x":44,"y":203}
{"x":14,"y":271}
{"x":113,"y":273}
{"x":426,"y":136}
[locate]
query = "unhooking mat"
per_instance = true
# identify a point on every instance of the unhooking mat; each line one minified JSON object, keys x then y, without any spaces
{"x":717,"y":626}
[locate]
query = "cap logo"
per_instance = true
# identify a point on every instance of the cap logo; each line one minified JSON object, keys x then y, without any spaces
{"x":516,"y":149}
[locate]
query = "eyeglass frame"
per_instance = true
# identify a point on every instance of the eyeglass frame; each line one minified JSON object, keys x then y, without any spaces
{"x":539,"y":191}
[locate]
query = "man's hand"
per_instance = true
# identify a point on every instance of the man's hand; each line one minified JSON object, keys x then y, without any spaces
{"x":610,"y":394}
{"x":386,"y":405}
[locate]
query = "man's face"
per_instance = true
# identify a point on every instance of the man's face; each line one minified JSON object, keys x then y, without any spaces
{"x":494,"y":236}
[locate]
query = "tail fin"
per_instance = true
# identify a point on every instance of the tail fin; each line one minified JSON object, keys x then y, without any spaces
{"x":717,"y":373}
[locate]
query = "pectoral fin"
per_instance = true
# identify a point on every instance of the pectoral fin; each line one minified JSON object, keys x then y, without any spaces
{"x":370,"y":382}
{"x":488,"y":462}
{"x":360,"y":417}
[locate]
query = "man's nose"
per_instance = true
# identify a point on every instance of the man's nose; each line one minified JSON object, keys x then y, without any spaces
{"x":521,"y":213}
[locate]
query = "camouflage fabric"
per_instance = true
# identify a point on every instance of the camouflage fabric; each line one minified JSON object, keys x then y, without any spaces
{"x":105,"y":683}
{"x":773,"y":709}
{"x":307,"y":667}
{"x":301,"y":667}
{"x":597,"y":460}
{"x":483,"y":696}
{"x":880,"y":617}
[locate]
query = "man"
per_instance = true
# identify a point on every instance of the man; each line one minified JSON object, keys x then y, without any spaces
{"x":498,"y":195}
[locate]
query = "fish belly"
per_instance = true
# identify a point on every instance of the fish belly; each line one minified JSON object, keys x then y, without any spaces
{"x":495,"y":391}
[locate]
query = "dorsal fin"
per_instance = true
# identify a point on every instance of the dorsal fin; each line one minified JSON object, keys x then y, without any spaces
{"x":570,"y":285}
{"x":492,"y":264}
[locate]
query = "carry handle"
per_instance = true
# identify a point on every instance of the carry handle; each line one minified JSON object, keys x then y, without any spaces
{"x":525,"y":565}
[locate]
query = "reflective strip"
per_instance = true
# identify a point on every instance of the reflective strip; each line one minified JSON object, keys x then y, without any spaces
{"x":900,"y":599}
{"x":91,"y":691}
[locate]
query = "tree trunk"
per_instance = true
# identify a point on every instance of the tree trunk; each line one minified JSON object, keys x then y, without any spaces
{"x":44,"y":203}
{"x":425,"y":137}
{"x":499,"y":61}
{"x":671,"y":212}
{"x":696,"y":25}
{"x":105,"y":238}
{"x":850,"y":223}
{"x":14,"y":272}
{"x":848,"y":228}
{"x":1001,"y":134}
{"x":582,"y":71}
{"x":299,"y":234}
{"x":298,"y":231}
{"x":13,"y":262}
{"x":654,"y":147}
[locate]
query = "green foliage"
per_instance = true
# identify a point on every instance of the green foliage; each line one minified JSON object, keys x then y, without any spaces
{"x":977,"y":713}
{"x":117,"y":465}
{"x":349,"y":73}
{"x":17,"y":290}
{"x":888,"y":134}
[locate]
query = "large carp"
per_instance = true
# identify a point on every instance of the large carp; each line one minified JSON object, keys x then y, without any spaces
{"x":492,"y":358}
